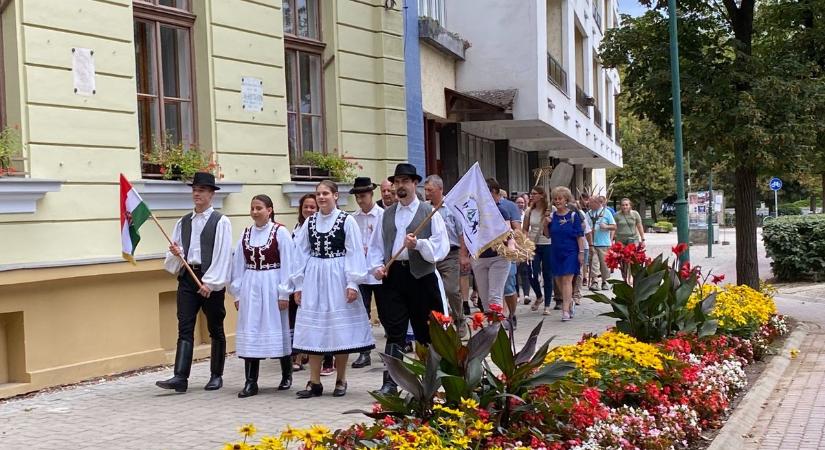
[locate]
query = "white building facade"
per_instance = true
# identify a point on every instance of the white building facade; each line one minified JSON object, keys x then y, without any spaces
{"x":529,"y":91}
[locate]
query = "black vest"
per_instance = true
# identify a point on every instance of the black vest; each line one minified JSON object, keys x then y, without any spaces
{"x":207,"y":237}
{"x":419,"y":266}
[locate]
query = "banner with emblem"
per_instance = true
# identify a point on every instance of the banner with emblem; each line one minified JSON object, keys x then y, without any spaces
{"x":472,"y":203}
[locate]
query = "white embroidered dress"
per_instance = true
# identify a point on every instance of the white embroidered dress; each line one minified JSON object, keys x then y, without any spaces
{"x":330,"y":259}
{"x":259,"y":279}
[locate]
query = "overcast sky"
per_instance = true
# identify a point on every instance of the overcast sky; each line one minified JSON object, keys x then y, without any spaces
{"x":631,"y":7}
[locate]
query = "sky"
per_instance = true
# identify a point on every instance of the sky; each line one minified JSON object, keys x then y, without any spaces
{"x":631,"y":7}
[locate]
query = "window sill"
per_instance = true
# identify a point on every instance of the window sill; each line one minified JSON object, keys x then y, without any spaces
{"x":450,"y":44}
{"x":294,"y":190}
{"x":164,"y":195}
{"x":20,"y":195}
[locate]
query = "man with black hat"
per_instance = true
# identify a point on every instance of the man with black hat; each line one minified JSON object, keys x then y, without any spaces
{"x":204,"y":238}
{"x":411,"y":284}
{"x":368,"y":217}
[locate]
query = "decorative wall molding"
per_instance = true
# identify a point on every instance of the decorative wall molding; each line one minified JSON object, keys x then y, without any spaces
{"x":20,"y":195}
{"x":294,"y":190}
{"x":161,"y":195}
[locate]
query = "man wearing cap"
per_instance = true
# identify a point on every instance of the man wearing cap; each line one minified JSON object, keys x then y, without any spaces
{"x":204,"y":238}
{"x":411,"y":283}
{"x":368,"y":216}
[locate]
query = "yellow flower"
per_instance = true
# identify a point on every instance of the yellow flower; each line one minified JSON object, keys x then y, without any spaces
{"x":794,"y":352}
{"x":448,"y":410}
{"x":469,"y":403}
{"x":270,"y":443}
{"x":247,"y":430}
{"x":289,"y":433}
{"x":319,"y":433}
{"x":738,"y":306}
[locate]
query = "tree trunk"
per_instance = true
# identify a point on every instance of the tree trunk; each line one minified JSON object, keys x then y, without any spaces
{"x":643,"y":208}
{"x":812,"y":205}
{"x":654,"y":211}
{"x":747,"y":267}
{"x":823,"y":191}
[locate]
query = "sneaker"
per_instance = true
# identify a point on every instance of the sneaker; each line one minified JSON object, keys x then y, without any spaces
{"x":605,"y":287}
{"x":594,"y":287}
{"x":546,"y":311}
{"x":565,"y":317}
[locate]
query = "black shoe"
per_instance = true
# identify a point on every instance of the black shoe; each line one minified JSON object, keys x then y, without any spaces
{"x":340,"y":389}
{"x":216,"y":362}
{"x":286,"y":373}
{"x":558,"y":306}
{"x":251,"y":367}
{"x":389,"y":387}
{"x":183,"y":364}
{"x":466,"y":309}
{"x":363,"y":360}
{"x":312,"y":390}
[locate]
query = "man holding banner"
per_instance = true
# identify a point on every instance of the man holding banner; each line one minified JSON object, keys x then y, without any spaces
{"x":403,"y":251}
{"x":203,"y":238}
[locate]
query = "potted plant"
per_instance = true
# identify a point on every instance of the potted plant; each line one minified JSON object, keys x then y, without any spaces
{"x":179,"y":162}
{"x":316,"y":165}
{"x":10,"y":145}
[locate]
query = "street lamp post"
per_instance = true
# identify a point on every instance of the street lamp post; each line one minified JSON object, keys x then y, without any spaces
{"x":681,"y":201}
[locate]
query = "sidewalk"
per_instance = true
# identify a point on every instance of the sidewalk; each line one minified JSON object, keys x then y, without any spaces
{"x":793,"y":418}
{"x":131,"y":413}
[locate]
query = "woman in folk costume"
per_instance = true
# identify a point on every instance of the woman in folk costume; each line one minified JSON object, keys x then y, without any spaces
{"x":261,"y":286}
{"x":330,"y":264}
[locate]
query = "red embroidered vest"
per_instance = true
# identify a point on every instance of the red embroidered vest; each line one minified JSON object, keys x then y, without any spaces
{"x":265,"y":257}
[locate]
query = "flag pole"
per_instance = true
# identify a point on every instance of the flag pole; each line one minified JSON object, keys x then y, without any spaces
{"x":415,"y":232}
{"x":182,"y":259}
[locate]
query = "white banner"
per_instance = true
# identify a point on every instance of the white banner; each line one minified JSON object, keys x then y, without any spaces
{"x":471,"y":202}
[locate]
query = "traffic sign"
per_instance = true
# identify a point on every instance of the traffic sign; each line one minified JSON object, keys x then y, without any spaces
{"x":775,"y":184}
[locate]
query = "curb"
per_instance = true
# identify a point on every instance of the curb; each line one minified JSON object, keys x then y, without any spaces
{"x":744,"y":417}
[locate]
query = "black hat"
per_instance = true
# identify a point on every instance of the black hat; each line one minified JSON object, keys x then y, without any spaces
{"x":362,"y":184}
{"x":405,"y":169}
{"x":204,"y":179}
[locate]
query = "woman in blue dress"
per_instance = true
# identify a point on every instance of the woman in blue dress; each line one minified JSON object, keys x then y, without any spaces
{"x":566,"y":247}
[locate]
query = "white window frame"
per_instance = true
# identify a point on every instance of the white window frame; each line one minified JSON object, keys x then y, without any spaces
{"x":434,"y":9}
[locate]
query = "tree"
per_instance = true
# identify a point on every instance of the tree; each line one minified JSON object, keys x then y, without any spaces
{"x":647,"y":175}
{"x":738,"y":102}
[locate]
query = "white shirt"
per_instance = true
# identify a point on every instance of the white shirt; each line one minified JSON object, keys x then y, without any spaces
{"x":217,"y":276}
{"x":368,"y":222}
{"x":432,"y":250}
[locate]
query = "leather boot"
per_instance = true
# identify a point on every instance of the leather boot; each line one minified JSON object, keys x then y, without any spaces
{"x":216,"y":362}
{"x":183,"y":364}
{"x":389,"y":386}
{"x":363,"y":360}
{"x":286,"y":373}
{"x":250,"y":370}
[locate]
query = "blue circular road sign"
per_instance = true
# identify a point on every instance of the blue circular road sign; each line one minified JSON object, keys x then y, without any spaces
{"x":775,"y":184}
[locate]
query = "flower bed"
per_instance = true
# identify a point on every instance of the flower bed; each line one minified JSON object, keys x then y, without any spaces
{"x":616,"y":390}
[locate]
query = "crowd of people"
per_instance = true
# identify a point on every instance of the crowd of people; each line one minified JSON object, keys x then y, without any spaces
{"x":305,"y":296}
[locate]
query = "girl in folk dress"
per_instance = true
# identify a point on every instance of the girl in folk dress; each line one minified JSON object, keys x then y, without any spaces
{"x":261,"y":287}
{"x":331,"y":315}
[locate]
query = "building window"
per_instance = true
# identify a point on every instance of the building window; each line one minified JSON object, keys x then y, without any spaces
{"x":433,"y":9}
{"x":165,"y":82}
{"x":473,"y":148}
{"x":519,"y":166}
{"x":304,"y":77}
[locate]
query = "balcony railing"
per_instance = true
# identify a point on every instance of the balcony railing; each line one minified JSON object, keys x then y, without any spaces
{"x":597,"y":117}
{"x":556,"y":73}
{"x":581,"y":103}
{"x":609,"y":129}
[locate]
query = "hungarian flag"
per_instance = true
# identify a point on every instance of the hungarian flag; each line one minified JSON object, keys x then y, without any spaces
{"x":133,"y":212}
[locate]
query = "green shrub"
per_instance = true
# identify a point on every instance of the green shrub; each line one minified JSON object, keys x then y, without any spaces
{"x":797,"y":246}
{"x":789,"y":210}
{"x":663,"y":225}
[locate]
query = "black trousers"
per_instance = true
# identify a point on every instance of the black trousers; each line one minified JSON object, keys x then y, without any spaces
{"x":190,"y":302}
{"x":405,"y":300}
{"x":367,"y":290}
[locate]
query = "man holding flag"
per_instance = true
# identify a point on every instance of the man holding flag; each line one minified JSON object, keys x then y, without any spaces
{"x":203,"y":239}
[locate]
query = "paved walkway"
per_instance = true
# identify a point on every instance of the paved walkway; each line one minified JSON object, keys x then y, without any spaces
{"x":131,"y":413}
{"x":793,"y":418}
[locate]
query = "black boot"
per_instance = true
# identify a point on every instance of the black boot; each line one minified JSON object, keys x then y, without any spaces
{"x":286,"y":373}
{"x":250,"y":370}
{"x":216,"y":365}
{"x":363,"y":360}
{"x":312,"y":390}
{"x":183,"y":363}
{"x":389,"y":387}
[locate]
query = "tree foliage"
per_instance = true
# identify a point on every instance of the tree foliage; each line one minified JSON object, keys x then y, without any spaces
{"x":746,"y":107}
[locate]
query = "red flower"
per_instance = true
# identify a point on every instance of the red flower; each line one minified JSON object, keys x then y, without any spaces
{"x":685,"y":272}
{"x":679,"y":248}
{"x":478,"y":320}
{"x":388,"y":421}
{"x":442,"y":319}
{"x":717,"y":279}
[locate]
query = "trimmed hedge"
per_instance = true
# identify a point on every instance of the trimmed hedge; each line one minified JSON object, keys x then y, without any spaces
{"x":789,"y":210}
{"x":664,"y":226}
{"x":797,"y":246}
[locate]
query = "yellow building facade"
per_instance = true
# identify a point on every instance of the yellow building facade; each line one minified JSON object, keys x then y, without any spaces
{"x":326,"y":76}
